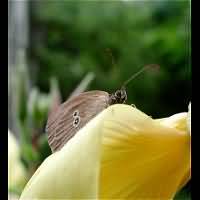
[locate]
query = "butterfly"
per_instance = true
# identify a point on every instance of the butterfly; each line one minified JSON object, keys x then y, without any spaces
{"x":73,"y":114}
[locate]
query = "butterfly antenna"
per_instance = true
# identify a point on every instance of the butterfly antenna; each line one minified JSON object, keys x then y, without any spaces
{"x":147,"y":67}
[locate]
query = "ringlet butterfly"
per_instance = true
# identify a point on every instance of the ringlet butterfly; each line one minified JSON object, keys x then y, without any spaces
{"x":74,"y":113}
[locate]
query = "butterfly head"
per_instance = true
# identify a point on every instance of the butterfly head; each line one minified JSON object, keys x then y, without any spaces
{"x":119,"y":96}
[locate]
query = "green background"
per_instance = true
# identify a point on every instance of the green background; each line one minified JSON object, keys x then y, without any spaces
{"x":70,"y":40}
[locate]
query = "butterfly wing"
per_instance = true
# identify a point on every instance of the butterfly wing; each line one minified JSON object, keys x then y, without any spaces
{"x":61,"y":123}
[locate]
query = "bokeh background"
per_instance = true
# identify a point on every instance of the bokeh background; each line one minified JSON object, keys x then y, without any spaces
{"x":58,"y":48}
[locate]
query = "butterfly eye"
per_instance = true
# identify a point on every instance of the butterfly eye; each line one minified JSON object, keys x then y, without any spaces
{"x":123,"y":99}
{"x":118,"y":93}
{"x":76,"y":113}
{"x":76,"y":121}
{"x":123,"y":95}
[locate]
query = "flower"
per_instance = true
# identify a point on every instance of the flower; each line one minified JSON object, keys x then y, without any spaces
{"x":16,"y":170}
{"x":189,"y":118}
{"x":122,"y":153}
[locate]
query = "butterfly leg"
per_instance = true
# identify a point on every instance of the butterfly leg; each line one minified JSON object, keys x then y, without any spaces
{"x":133,"y":105}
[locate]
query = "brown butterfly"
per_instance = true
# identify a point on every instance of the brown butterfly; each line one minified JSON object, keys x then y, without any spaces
{"x":73,"y":114}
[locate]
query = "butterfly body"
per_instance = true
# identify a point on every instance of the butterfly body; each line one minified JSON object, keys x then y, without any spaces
{"x":73,"y":114}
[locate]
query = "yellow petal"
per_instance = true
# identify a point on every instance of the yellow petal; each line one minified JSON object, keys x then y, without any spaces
{"x":189,"y":118}
{"x":141,"y":157}
{"x":16,"y":170}
{"x":122,"y":153}
{"x":72,"y":172}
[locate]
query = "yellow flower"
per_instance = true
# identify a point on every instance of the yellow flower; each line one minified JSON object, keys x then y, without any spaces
{"x":189,"y":118}
{"x":16,"y":170}
{"x":122,"y":153}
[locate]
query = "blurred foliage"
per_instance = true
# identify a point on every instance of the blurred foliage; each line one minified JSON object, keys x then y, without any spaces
{"x":35,"y":147}
{"x":33,"y":137}
{"x":69,"y":39}
{"x":184,"y":194}
{"x":32,"y":111}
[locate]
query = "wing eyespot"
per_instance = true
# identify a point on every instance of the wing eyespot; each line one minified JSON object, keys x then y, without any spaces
{"x":76,"y":121}
{"x":76,"y":113}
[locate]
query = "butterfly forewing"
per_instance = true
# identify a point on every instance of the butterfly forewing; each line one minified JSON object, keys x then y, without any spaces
{"x":73,"y":115}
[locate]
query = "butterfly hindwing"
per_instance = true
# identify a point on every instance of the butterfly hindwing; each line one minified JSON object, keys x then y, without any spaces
{"x":72,"y":115}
